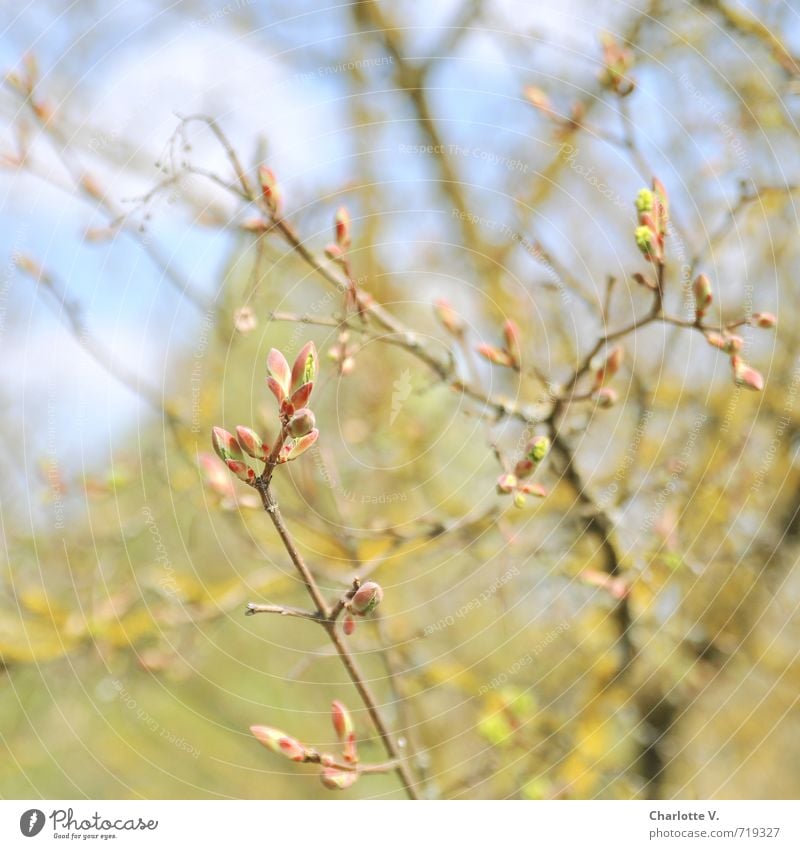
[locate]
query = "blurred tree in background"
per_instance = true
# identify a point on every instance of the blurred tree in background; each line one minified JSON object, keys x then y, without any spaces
{"x":631,"y":634}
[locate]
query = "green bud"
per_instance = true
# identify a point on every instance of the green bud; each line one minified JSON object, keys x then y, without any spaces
{"x":644,"y":200}
{"x":538,"y":448}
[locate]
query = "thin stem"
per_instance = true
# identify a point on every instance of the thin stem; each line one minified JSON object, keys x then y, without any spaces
{"x":324,"y":613}
{"x":282,"y":610}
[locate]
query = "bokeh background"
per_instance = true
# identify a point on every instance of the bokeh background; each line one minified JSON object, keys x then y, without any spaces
{"x":127,"y":667}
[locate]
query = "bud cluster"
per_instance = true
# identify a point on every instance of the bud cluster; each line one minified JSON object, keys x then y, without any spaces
{"x":726,"y":341}
{"x":292,"y":389}
{"x":361,"y":601}
{"x":334,"y":776}
{"x":508,"y":355}
{"x":517,"y":483}
{"x":604,"y":396}
{"x":617,"y":61}
{"x":652,"y":208}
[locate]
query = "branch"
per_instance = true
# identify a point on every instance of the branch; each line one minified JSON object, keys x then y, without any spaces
{"x":323,"y":615}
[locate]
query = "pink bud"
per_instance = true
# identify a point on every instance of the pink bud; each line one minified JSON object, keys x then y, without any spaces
{"x":333,"y":252}
{"x":343,"y":228}
{"x":506,"y":483}
{"x":496,"y":356}
{"x":336,"y":779}
{"x":605,"y":397}
{"x":536,"y":97}
{"x":366,"y":598}
{"x":511,"y":337}
{"x":703,"y":295}
{"x":280,"y":743}
{"x":764,"y":319}
{"x":662,"y":205}
{"x":617,"y":587}
{"x":270,"y":188}
{"x":216,"y":476}
{"x":278,"y":369}
{"x":345,"y":730}
{"x":348,"y":625}
{"x":342,"y":721}
{"x":533,"y":489}
{"x":225,"y":445}
{"x":745,"y":375}
{"x":448,"y":317}
{"x":255,"y":225}
{"x":276,"y":389}
{"x":304,"y":369}
{"x":302,"y":445}
{"x":244,"y":320}
{"x":252,"y":443}
{"x":717,"y":340}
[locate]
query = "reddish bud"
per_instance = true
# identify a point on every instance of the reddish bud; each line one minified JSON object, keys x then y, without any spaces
{"x":764,"y":319}
{"x":301,"y":423}
{"x":304,"y":369}
{"x":611,"y":365}
{"x":343,"y":228}
{"x":278,"y":742}
{"x":278,"y":370}
{"x":225,"y":445}
{"x":366,"y":598}
{"x":252,"y":443}
{"x":523,"y":468}
{"x":348,"y":625}
{"x":270,"y":189}
{"x":300,"y":397}
{"x":336,"y":779}
{"x":276,"y":389}
{"x":241,"y":470}
{"x":448,"y":317}
{"x":745,"y":375}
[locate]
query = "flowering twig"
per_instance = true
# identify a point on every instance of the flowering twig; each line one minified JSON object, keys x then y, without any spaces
{"x":292,"y":389}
